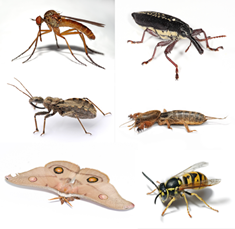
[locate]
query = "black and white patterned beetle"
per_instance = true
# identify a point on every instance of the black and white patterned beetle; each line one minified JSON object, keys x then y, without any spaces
{"x":171,"y":30}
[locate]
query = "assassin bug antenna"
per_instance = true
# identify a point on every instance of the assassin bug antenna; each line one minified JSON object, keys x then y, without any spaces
{"x":30,"y":95}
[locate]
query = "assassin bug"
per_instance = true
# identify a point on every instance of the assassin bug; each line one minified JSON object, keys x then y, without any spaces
{"x":171,"y":30}
{"x":74,"y":108}
{"x":175,"y":187}
{"x":176,"y":117}
{"x":54,"y":20}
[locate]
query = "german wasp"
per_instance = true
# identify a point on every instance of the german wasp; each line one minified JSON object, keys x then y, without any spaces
{"x":175,"y":187}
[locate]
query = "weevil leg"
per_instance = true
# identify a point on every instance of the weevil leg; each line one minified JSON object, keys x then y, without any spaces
{"x":194,"y":194}
{"x":183,"y":194}
{"x":57,"y":32}
{"x":168,"y":50}
{"x":169,"y":204}
{"x":161,"y":44}
{"x":97,"y":107}
{"x":69,"y":32}
{"x":39,"y":113}
{"x":36,"y":40}
{"x":198,"y":31}
{"x":187,"y":128}
{"x":82,"y":125}
{"x":138,"y":42}
{"x":44,"y":125}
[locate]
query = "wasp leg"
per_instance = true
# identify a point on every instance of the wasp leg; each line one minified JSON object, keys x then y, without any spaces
{"x":183,"y":194}
{"x":97,"y":107}
{"x":39,"y":113}
{"x":161,"y":44}
{"x":152,"y":191}
{"x":169,"y":204}
{"x":82,"y":125}
{"x":69,"y":32}
{"x":187,"y":128}
{"x":36,"y":40}
{"x":194,"y":194}
{"x":168,"y":50}
{"x":47,"y":116}
{"x":198,"y":31}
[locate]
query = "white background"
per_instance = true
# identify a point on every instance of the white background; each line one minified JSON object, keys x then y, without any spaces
{"x":205,"y":85}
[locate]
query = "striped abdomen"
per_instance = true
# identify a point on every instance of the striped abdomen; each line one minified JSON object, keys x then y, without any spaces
{"x":181,"y":117}
{"x":194,"y":177}
{"x":78,"y":26}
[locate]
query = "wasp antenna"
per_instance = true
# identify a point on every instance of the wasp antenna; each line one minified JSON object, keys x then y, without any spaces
{"x":19,"y":89}
{"x":24,"y":87}
{"x":125,"y":123}
{"x":156,"y":198}
{"x":150,"y":180}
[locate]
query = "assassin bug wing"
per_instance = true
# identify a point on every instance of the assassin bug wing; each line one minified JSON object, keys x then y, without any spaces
{"x":201,"y":184}
{"x":192,"y":168}
{"x":86,"y":21}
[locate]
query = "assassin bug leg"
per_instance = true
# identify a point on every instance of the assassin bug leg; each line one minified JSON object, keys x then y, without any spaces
{"x":44,"y":124}
{"x":82,"y":126}
{"x":39,"y":113}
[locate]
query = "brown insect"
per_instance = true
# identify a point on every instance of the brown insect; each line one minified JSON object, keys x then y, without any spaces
{"x":177,"y":117}
{"x":74,"y":108}
{"x":54,"y":20}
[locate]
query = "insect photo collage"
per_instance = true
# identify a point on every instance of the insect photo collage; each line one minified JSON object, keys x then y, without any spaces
{"x":117,"y":114}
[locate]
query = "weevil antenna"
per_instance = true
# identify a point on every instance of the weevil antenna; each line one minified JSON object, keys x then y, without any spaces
{"x":150,"y":181}
{"x":23,"y":87}
{"x":156,"y":198}
{"x":125,"y":123}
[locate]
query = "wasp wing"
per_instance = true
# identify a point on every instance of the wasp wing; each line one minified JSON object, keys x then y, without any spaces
{"x":86,"y":21}
{"x":192,"y":168}
{"x":201,"y":184}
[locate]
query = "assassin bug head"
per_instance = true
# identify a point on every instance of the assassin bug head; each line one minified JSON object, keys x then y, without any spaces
{"x":31,"y":98}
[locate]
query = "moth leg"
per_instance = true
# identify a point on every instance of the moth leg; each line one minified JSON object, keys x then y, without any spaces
{"x":168,"y":50}
{"x":187,"y":128}
{"x":198,"y":31}
{"x":44,"y":125}
{"x":172,"y":200}
{"x":97,"y":107}
{"x":39,"y":113}
{"x":82,"y":125}
{"x":36,"y":40}
{"x":69,"y":32}
{"x":183,"y":194}
{"x":161,"y":44}
{"x":194,"y":194}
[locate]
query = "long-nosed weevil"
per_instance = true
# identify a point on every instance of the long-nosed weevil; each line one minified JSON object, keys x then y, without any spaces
{"x":170,"y":29}
{"x":75,"y":108}
{"x":177,"y":117}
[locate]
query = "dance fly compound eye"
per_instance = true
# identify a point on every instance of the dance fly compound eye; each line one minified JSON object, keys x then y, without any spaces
{"x":58,"y":170}
{"x":92,"y":179}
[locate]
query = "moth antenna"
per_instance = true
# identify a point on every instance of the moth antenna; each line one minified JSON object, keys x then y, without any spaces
{"x":23,"y":87}
{"x":125,"y":123}
{"x":19,"y":89}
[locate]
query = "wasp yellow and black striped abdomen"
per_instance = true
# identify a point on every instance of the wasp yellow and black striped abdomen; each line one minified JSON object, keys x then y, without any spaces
{"x":194,"y":177}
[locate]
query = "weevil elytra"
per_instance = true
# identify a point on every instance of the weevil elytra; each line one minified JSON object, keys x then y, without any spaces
{"x":75,"y":108}
{"x":170,"y":29}
{"x":177,"y":117}
{"x":54,"y":20}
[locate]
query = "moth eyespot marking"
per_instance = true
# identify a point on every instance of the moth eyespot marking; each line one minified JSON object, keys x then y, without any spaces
{"x":58,"y":170}
{"x":32,"y":179}
{"x":103,"y":197}
{"x":92,"y":179}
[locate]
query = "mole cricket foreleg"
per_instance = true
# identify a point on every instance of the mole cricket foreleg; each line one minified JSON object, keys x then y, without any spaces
{"x":39,"y":113}
{"x":168,"y":50}
{"x":47,"y":116}
{"x":161,"y":44}
{"x":69,"y":32}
